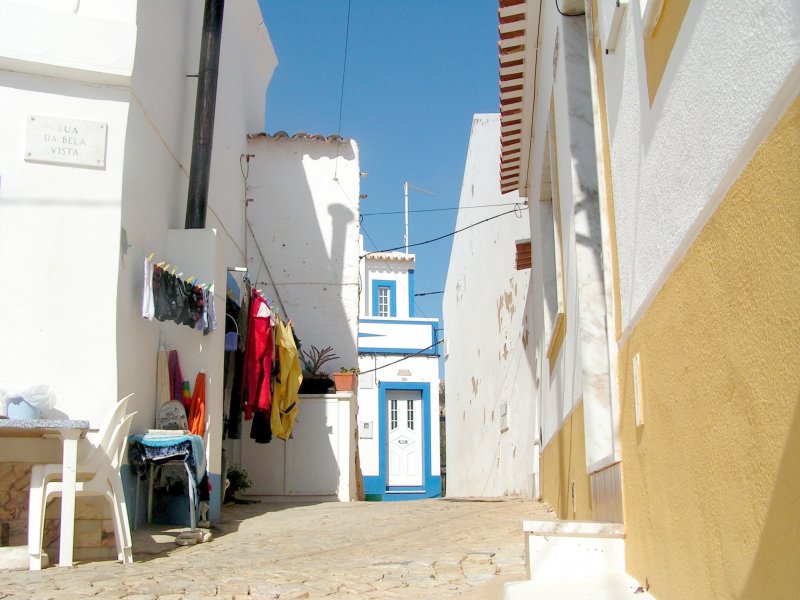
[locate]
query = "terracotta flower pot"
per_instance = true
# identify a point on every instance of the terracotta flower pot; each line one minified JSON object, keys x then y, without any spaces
{"x":345,"y":382}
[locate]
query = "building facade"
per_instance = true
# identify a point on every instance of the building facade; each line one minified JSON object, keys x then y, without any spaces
{"x":659,"y":160}
{"x":94,"y":170}
{"x":398,"y":395}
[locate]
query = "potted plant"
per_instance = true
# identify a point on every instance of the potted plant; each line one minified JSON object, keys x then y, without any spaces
{"x":238,"y":480}
{"x":345,"y":379}
{"x":316,"y":381}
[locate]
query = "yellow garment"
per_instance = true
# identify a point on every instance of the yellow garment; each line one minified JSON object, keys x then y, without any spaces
{"x":284,"y":399}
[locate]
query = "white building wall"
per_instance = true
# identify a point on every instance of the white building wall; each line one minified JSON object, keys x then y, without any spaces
{"x":305,"y":222}
{"x":388,"y":270}
{"x":59,"y":224}
{"x":158,"y":156}
{"x":416,"y":369}
{"x":704,"y":125}
{"x":82,"y":233}
{"x":490,"y":340}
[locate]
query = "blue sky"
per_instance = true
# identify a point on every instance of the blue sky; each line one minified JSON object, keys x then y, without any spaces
{"x":417,"y":70}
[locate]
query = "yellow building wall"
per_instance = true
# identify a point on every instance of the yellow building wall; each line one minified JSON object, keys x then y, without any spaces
{"x":711,"y":480}
{"x":563,"y":461}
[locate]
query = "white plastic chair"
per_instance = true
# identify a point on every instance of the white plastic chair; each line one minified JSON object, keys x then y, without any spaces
{"x":40,"y":474}
{"x":103,"y":466}
{"x":88,"y":460}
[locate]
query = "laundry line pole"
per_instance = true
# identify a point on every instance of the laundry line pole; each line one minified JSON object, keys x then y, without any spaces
{"x":406,"y":185}
{"x":405,"y":212}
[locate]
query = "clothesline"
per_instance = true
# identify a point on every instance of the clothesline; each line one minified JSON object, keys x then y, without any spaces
{"x":168,"y":297}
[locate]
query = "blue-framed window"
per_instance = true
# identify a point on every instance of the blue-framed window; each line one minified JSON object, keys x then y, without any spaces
{"x":384,"y":298}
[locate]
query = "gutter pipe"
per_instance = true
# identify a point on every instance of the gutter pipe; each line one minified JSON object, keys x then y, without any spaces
{"x":205,"y":107}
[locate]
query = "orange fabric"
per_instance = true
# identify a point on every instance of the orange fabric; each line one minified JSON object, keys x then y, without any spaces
{"x":197,"y":412}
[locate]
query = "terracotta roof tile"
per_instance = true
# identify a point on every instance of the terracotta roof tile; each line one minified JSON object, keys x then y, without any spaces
{"x":300,"y":135}
{"x":512,"y":30}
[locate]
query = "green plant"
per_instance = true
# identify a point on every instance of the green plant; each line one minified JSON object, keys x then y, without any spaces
{"x":314,"y":359}
{"x":350,"y":370}
{"x":238,"y":480}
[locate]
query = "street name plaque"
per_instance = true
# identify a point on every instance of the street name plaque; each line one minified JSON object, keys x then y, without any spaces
{"x":61,"y":141}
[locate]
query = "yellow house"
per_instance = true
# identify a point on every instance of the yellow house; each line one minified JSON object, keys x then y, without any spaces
{"x":658,"y":145}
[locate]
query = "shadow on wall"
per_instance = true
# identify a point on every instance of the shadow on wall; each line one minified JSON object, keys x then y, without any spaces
{"x":774,"y":569}
{"x":306,"y":224}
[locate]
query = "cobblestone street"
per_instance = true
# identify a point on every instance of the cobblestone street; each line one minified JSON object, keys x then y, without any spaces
{"x":443,"y":548}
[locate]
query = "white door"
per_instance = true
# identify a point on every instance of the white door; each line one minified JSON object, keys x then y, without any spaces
{"x":404,"y":415}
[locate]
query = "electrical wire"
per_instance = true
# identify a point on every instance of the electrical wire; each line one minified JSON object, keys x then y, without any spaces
{"x":517,"y":211}
{"x":341,"y":92}
{"x":344,"y":67}
{"x":423,"y":210}
{"x":417,"y":353}
{"x":372,"y":241}
{"x":429,"y":293}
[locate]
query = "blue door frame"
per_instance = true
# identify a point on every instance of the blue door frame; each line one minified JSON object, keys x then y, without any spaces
{"x":375,"y":487}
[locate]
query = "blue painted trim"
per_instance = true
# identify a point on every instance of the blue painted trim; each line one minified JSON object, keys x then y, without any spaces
{"x":385,"y":320}
{"x":433,"y":490}
{"x":392,"y":285}
{"x":411,"y":292}
{"x":433,"y":351}
{"x":376,"y":485}
{"x":429,"y":352}
{"x":215,"y":497}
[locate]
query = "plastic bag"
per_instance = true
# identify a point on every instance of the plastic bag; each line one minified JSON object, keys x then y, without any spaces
{"x":40,"y":396}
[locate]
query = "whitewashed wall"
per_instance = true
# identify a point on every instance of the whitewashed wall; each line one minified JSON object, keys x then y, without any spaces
{"x":156,"y":182}
{"x":306,"y":223}
{"x":59,"y":224}
{"x":489,"y":359}
{"x":416,"y":369}
{"x":85,"y":232}
{"x":378,"y":269}
{"x":304,"y":216}
{"x":703,"y":125}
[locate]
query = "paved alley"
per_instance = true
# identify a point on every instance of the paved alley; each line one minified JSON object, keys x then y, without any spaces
{"x":443,"y":548}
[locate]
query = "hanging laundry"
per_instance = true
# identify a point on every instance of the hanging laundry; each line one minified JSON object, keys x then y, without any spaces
{"x":244,"y":314}
{"x":175,"y":377}
{"x":167,"y":297}
{"x":287,"y":384}
{"x":165,"y":305}
{"x":187,"y":396}
{"x":260,"y":431}
{"x":148,"y":303}
{"x":197,"y":410}
{"x":212,"y":315}
{"x":162,"y":376}
{"x":258,"y":355}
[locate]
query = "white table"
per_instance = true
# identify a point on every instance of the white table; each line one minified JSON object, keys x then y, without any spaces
{"x":69,"y":432}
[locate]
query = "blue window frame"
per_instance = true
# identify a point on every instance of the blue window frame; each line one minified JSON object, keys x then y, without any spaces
{"x":384,"y":298}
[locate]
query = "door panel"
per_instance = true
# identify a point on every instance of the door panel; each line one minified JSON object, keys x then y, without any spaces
{"x":404,"y":439}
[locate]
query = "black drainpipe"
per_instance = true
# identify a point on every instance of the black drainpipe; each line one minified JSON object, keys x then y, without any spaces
{"x":199,"y":172}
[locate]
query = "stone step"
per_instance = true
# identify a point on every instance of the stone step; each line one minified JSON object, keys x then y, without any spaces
{"x":566,"y":548}
{"x":616,"y":586}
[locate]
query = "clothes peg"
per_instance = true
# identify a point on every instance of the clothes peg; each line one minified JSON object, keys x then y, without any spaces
{"x":149,"y":258}
{"x":179,"y":274}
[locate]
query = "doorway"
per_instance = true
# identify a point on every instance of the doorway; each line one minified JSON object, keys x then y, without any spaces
{"x":405,"y":451}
